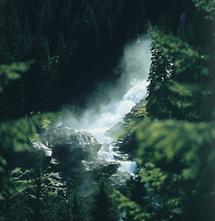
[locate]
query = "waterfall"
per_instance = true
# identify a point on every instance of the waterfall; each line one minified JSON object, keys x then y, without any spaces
{"x":88,"y":135}
{"x":135,"y":66}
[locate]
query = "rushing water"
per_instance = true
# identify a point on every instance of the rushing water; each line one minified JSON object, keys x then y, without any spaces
{"x":103,"y":116}
{"x":136,"y":64}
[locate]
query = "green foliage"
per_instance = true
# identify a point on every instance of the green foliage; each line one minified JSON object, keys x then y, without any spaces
{"x":177,"y":143}
{"x":175,"y":161}
{"x":173,"y":145}
{"x":104,"y":207}
{"x":16,"y":135}
{"x":11,"y":72}
{"x":207,"y":6}
{"x":128,"y":126}
{"x":134,"y":211}
{"x":183,"y":56}
{"x":31,"y":189}
{"x":180,"y":80}
{"x":160,"y":74}
{"x":176,"y":157}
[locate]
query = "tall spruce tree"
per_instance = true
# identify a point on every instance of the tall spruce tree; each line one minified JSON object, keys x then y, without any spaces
{"x":176,"y":157}
{"x":158,"y":99}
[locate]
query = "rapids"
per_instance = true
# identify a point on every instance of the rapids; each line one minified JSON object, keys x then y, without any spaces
{"x":92,"y":127}
{"x":136,"y":65}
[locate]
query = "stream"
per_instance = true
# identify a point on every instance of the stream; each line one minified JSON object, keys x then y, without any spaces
{"x":86,"y":139}
{"x":135,"y":67}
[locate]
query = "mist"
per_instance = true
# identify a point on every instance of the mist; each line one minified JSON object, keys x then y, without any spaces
{"x":110,"y":102}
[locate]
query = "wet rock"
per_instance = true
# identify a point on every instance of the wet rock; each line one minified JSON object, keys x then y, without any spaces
{"x":42,"y":147}
{"x":70,"y":148}
{"x":80,"y":144}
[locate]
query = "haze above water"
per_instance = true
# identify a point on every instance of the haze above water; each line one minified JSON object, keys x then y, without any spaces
{"x":118,"y":101}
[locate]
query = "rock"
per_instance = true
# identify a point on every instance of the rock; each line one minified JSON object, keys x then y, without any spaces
{"x":70,"y":147}
{"x":74,"y":140}
{"x":40,"y":146}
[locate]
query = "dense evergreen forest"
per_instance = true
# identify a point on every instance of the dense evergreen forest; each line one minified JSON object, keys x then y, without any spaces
{"x":53,"y":54}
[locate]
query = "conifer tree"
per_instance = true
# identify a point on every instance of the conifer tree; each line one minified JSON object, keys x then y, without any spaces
{"x":176,"y":157}
{"x":158,"y":93}
{"x":104,"y":207}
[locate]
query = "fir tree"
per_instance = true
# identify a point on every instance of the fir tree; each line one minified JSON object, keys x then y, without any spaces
{"x":158,"y":103}
{"x":104,"y":207}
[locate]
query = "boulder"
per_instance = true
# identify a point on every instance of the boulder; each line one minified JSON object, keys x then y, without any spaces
{"x":70,"y":147}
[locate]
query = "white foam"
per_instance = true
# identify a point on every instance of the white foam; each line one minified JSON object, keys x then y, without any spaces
{"x":135,"y":67}
{"x":99,"y":120}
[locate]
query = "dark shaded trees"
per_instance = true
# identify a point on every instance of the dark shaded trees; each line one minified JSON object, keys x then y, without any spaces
{"x":104,"y":206}
{"x":73,"y":33}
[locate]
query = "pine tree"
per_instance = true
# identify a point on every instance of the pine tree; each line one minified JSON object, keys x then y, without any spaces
{"x":160,"y":75}
{"x":104,"y":207}
{"x":176,"y":157}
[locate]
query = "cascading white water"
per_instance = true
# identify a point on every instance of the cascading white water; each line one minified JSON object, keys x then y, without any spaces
{"x":135,"y":66}
{"x":91,"y":129}
{"x":100,"y":118}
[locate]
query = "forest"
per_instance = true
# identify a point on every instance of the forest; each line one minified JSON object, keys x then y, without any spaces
{"x":107,"y":110}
